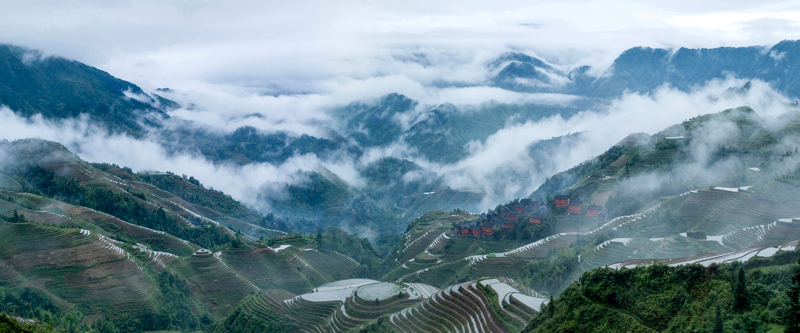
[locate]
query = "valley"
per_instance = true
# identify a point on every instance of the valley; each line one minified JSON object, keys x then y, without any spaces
{"x":381,"y":220}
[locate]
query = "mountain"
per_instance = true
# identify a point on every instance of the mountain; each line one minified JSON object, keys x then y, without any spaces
{"x":654,"y":234}
{"x":150,"y":242}
{"x":643,"y":69}
{"x":521,"y":72}
{"x":100,"y":240}
{"x":443,"y":134}
{"x":58,"y":88}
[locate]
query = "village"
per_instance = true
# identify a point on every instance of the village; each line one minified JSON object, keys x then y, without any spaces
{"x":526,"y":211}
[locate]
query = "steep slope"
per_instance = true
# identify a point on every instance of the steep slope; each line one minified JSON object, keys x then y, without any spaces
{"x":725,"y":297}
{"x":613,"y":213}
{"x":59,"y":88}
{"x":50,"y":169}
{"x":79,"y":267}
{"x":488,"y":305}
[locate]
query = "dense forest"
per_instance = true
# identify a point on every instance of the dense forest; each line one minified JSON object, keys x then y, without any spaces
{"x":760,"y":295}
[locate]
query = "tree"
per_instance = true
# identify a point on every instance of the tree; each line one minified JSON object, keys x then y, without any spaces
{"x":741,"y":300}
{"x":718,"y":326}
{"x":793,"y":317}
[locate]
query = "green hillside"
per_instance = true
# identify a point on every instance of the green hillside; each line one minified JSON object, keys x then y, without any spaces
{"x":165,"y":253}
{"x":749,"y":297}
{"x":58,"y":88}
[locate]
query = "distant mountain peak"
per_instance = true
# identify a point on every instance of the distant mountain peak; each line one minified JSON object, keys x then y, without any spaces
{"x":519,"y":58}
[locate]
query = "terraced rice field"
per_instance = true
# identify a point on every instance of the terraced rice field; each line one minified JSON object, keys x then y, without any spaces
{"x":443,"y":199}
{"x":157,"y":240}
{"x":341,"y":305}
{"x":459,"y":308}
{"x":268,"y":270}
{"x":76,"y":266}
{"x":717,"y":212}
{"x":332,"y":265}
{"x":716,"y":258}
{"x":221,"y":288}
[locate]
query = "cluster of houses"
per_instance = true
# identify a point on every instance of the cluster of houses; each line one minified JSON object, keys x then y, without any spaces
{"x":526,"y":211}
{"x":575,"y":206}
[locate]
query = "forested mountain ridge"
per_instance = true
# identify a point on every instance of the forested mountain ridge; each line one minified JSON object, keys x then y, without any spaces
{"x":643,"y":69}
{"x":444,"y":134}
{"x":59,"y":88}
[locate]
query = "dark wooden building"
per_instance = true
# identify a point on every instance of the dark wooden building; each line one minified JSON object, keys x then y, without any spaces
{"x":576,"y":206}
{"x":488,"y":228}
{"x":561,"y":201}
{"x":594,"y":210}
{"x":476,"y":231}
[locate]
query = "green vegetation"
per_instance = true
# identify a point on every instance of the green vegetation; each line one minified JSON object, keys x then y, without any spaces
{"x":58,"y":88}
{"x":552,"y":274}
{"x":381,"y":325}
{"x":248,"y":145}
{"x":41,"y":181}
{"x":41,"y":312}
{"x":360,"y":249}
{"x":497,"y":312}
{"x":191,"y":190}
{"x":689,"y":298}
{"x":241,"y":321}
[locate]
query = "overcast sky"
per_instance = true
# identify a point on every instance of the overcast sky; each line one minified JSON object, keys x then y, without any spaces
{"x":317,"y":46}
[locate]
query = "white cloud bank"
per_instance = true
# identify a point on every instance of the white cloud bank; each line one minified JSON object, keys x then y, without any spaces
{"x":306,"y":46}
{"x":290,"y":62}
{"x":500,"y":165}
{"x":243,"y":183}
{"x":503,"y":158}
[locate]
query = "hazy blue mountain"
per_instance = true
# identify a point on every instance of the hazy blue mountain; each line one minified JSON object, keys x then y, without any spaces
{"x":643,"y":69}
{"x":374,"y":124}
{"x":248,"y":144}
{"x":439,"y":133}
{"x":524,"y":73}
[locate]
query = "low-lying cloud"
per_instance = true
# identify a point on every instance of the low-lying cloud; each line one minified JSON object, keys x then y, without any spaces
{"x":95,"y":144}
{"x":500,"y":165}
{"x":503,"y":157}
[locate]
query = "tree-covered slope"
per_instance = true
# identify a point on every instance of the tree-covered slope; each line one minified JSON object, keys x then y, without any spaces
{"x":58,"y":88}
{"x":749,"y":297}
{"x":128,"y":256}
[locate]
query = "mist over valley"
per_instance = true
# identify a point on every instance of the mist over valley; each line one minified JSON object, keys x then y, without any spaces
{"x":585,"y":167}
